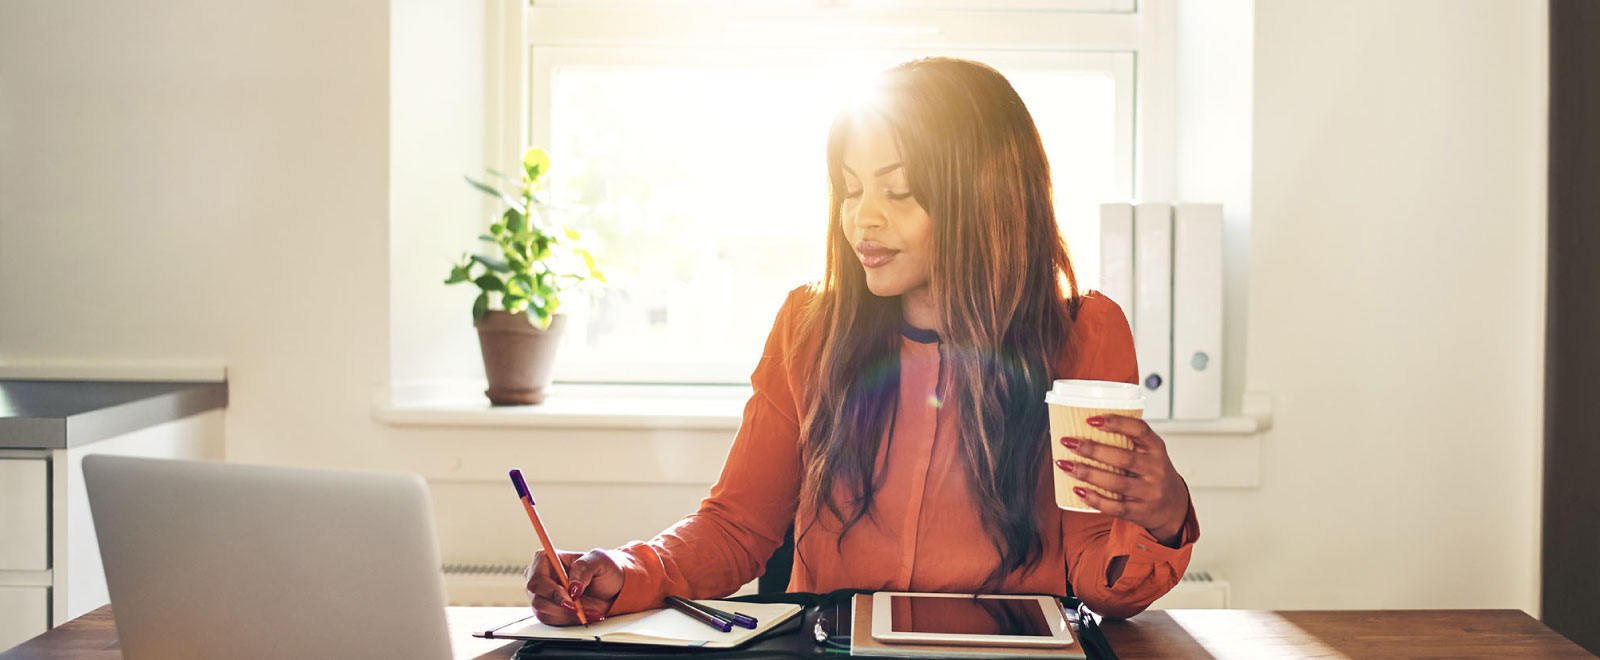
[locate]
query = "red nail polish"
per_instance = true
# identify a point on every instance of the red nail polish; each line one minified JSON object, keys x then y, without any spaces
{"x":1096,"y":421}
{"x":568,"y":604}
{"x":1070,"y":443}
{"x":1065,"y":465}
{"x":1080,"y":491}
{"x":574,"y":589}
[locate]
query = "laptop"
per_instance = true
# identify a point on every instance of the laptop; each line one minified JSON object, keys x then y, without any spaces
{"x":215,"y":560}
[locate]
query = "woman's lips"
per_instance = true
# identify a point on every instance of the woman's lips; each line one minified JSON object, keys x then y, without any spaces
{"x":876,"y":259}
{"x":874,"y":255}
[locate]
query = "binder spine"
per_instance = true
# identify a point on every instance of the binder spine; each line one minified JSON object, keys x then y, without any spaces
{"x":1197,"y":312}
{"x":1116,"y":256}
{"x":1152,"y":331}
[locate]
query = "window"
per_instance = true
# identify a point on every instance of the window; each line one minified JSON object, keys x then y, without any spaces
{"x":693,"y":144}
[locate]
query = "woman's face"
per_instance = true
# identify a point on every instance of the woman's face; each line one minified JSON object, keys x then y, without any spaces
{"x":889,"y":231}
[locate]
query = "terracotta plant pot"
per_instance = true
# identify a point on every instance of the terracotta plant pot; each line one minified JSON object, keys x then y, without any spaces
{"x":518,"y":357}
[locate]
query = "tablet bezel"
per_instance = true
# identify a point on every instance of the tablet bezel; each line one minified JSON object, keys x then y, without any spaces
{"x":1054,"y":616}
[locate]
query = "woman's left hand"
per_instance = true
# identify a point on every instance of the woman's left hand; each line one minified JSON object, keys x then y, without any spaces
{"x":1152,"y":495}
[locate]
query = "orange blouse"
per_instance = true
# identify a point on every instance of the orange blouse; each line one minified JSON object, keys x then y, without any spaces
{"x":924,"y":533}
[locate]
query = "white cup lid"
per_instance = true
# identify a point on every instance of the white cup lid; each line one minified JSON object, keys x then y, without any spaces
{"x":1096,"y":394}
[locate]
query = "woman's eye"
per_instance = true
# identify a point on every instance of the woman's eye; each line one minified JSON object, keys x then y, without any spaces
{"x":896,"y":196}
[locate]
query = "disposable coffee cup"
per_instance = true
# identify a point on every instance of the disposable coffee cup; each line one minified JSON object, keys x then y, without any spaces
{"x":1071,"y":403}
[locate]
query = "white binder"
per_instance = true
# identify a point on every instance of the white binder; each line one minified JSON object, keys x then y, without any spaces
{"x":1152,"y":280}
{"x":1197,"y":312}
{"x":1116,"y":255}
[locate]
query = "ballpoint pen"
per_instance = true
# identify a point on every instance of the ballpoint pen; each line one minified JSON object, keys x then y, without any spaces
{"x":735,"y":618}
{"x":544,"y":538}
{"x":698,"y":614}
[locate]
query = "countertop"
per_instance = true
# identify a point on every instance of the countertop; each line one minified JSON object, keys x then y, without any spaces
{"x":61,"y":414}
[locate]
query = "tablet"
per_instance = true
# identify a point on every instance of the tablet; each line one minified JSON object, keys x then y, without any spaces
{"x":969,"y":620}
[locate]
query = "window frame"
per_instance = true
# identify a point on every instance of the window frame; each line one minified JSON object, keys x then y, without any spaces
{"x":1136,"y":48}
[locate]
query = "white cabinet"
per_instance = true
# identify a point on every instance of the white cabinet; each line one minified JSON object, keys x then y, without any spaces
{"x":24,"y":547}
{"x":24,"y":514}
{"x":23,"y":613}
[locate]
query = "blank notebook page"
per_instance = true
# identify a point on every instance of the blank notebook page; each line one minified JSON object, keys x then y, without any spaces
{"x":666,"y":627}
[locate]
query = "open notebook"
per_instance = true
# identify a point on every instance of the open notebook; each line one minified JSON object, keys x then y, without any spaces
{"x":665,"y":627}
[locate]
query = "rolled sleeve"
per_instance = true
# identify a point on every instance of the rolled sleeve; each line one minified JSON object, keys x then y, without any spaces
{"x":1142,"y":547}
{"x":1149,"y":571}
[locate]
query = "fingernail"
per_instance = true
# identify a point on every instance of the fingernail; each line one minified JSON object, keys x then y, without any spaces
{"x":574,"y":589}
{"x":1080,"y":491}
{"x":593,"y":616}
{"x":1096,"y":421}
{"x":568,"y":604}
{"x":1065,"y":465}
{"x":1069,"y":443}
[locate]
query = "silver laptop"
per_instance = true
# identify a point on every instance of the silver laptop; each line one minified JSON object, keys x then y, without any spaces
{"x":212,"y":560}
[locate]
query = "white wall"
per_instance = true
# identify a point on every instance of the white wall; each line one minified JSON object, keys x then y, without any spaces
{"x":1396,"y":307}
{"x":188,"y":181}
{"x":199,"y":181}
{"x":437,"y":85}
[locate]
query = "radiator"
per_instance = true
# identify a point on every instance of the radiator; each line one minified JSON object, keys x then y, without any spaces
{"x":485,"y":585}
{"x":1197,"y":590}
{"x":501,"y":585}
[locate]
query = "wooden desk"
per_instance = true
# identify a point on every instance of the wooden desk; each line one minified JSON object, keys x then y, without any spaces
{"x":1220,"y":634}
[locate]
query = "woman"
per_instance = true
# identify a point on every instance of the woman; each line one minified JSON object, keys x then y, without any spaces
{"x":898,"y":420}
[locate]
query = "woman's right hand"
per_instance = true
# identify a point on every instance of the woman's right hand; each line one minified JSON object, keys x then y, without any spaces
{"x":595,"y":580}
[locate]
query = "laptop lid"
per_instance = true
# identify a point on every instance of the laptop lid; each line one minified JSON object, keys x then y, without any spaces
{"x":215,"y":560}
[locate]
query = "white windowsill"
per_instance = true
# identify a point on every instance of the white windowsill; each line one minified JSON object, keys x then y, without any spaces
{"x":1211,"y":454}
{"x":709,"y":407}
{"x":569,"y":405}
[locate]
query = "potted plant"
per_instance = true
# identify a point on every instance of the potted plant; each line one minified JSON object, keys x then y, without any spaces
{"x":535,"y":260}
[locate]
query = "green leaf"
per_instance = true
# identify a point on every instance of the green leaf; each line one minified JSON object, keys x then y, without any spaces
{"x":541,"y":319}
{"x":495,"y":265}
{"x":480,"y":306}
{"x":514,"y":304}
{"x":484,"y":187}
{"x":516,"y":222}
{"x":518,"y":264}
{"x":572,"y":233}
{"x":489,"y":282}
{"x":525,"y":284}
{"x":494,"y":192}
{"x":459,"y":274}
{"x":488,"y":238}
{"x":536,"y":162}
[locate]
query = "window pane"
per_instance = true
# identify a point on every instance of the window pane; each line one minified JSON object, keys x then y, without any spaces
{"x":999,"y":5}
{"x":705,"y":196}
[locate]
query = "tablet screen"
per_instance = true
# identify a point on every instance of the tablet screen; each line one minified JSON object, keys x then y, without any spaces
{"x":968,"y":616}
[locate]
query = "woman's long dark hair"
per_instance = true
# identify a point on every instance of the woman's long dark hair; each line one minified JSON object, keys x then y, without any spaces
{"x":1003,"y":285}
